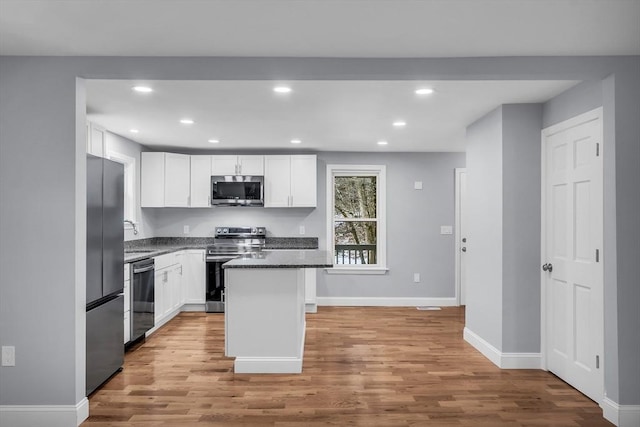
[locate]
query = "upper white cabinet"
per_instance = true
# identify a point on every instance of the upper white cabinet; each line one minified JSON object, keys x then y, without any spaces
{"x":237,"y":165}
{"x":290,"y":181}
{"x":95,"y":140}
{"x":177,"y":180}
{"x":165,"y":180}
{"x":200,"y":181}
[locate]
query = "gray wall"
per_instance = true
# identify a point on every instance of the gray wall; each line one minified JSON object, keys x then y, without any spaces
{"x":39,"y":137}
{"x":521,"y":177}
{"x":414,"y":217}
{"x":122,"y":145}
{"x":484,"y":228}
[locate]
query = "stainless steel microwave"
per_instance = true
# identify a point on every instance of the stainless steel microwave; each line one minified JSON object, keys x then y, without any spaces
{"x":237,"y":190}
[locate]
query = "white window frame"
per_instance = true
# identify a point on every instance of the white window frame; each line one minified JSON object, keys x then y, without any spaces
{"x":380,"y":172}
{"x":130,"y":208}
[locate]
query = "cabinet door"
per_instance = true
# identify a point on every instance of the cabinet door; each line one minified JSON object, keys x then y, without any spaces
{"x":193,"y":277}
{"x":176,"y":180}
{"x":303,"y":181}
{"x":158,"y":296}
{"x":224,"y":165}
{"x":200,"y":181}
{"x":175,"y":288}
{"x":251,"y":165}
{"x":277,"y":178}
{"x":152,"y":180}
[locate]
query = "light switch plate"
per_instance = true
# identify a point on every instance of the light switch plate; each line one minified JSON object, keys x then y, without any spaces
{"x":417,"y":185}
{"x":416,"y":277}
{"x":302,"y":231}
{"x":8,"y":355}
{"x":185,"y":229}
{"x":446,"y":229}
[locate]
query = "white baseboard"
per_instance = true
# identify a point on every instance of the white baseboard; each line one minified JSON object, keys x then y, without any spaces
{"x":44,"y":415}
{"x":190,"y":306}
{"x":272,"y":365}
{"x":267,"y":365}
{"x":621,"y":415}
{"x":503,"y":360}
{"x":386,"y":301}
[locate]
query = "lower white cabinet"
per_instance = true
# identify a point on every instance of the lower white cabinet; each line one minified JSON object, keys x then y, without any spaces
{"x":310,"y":299}
{"x":193,"y":276}
{"x":168,"y":288}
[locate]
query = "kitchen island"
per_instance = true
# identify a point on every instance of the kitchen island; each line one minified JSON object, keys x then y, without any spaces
{"x":265,"y":309}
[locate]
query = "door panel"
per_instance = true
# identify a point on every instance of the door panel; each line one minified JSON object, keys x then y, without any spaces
{"x":573,"y":234}
{"x":113,"y":227}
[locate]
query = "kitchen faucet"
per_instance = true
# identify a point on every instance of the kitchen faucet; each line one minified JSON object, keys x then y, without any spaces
{"x":133,"y":225}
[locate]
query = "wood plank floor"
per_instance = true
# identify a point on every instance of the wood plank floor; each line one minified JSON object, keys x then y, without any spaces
{"x":362,"y":367}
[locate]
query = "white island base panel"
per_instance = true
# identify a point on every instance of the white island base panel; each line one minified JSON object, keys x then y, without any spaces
{"x":265,"y":319}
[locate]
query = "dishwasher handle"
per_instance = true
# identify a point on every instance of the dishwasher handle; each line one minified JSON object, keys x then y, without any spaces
{"x":144,"y":269}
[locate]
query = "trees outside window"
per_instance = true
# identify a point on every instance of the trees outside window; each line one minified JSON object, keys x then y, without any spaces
{"x":356,"y":222}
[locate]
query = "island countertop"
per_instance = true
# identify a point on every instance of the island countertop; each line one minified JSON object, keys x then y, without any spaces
{"x":283,"y":259}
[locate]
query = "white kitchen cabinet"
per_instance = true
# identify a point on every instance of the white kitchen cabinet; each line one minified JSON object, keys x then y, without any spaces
{"x":177,"y":180}
{"x":193,"y":277}
{"x":290,"y":181}
{"x":167,"y":288}
{"x":237,"y":165}
{"x":165,"y":180}
{"x":200,"y":181}
{"x":95,"y":140}
{"x":310,"y":298}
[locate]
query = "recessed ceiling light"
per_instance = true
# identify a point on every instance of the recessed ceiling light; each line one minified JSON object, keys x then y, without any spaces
{"x":424,"y":91}
{"x":213,"y":141}
{"x":296,"y":141}
{"x":133,"y":130}
{"x":186,"y":121}
{"x":282,"y":89}
{"x":382,"y":142}
{"x":399,"y":123}
{"x":142,"y":89}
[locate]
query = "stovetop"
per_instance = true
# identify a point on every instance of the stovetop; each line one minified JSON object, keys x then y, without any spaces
{"x":237,"y":240}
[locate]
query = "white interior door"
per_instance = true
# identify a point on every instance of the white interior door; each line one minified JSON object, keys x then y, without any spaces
{"x":461,"y":234}
{"x":572,"y":252}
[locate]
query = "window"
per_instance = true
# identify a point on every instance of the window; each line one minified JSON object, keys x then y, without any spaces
{"x":129,"y":184}
{"x":356,"y":214}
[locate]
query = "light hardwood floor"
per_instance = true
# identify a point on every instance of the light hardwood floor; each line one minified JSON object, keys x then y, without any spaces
{"x":362,"y":367}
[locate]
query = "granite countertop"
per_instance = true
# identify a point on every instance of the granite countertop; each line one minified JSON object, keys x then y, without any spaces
{"x":283,"y":259}
{"x":136,"y":250}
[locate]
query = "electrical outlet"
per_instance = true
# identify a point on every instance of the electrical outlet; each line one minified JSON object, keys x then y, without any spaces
{"x":185,"y":229}
{"x":417,"y":185}
{"x":8,"y":355}
{"x":416,"y":277}
{"x":301,"y":229}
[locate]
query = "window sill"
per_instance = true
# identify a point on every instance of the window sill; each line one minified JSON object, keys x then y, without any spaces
{"x":363,"y":271}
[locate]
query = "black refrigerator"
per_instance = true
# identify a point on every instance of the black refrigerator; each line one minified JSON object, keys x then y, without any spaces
{"x":105,"y":270}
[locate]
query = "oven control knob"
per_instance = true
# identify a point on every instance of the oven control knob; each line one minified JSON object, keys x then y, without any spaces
{"x":254,"y":231}
{"x":225,"y":231}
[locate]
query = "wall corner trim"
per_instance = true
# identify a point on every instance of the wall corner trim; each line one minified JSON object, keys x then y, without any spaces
{"x":503,"y":360}
{"x":386,"y":301}
{"x":621,"y":415}
{"x":44,"y":415}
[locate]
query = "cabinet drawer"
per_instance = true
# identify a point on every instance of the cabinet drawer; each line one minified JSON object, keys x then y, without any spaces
{"x":167,"y":260}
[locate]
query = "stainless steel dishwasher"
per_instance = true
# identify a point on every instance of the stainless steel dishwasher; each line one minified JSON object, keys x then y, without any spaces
{"x":142,"y":298}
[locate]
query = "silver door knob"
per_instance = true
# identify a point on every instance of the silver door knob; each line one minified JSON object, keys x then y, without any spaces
{"x":464,"y":249}
{"x":547,"y":267}
{"x":464,"y":240}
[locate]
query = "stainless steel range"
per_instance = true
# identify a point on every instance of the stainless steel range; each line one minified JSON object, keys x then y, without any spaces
{"x":230,"y":243}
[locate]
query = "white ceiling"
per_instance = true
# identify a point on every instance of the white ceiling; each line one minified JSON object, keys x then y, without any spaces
{"x":325,"y":115}
{"x":320,"y":28}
